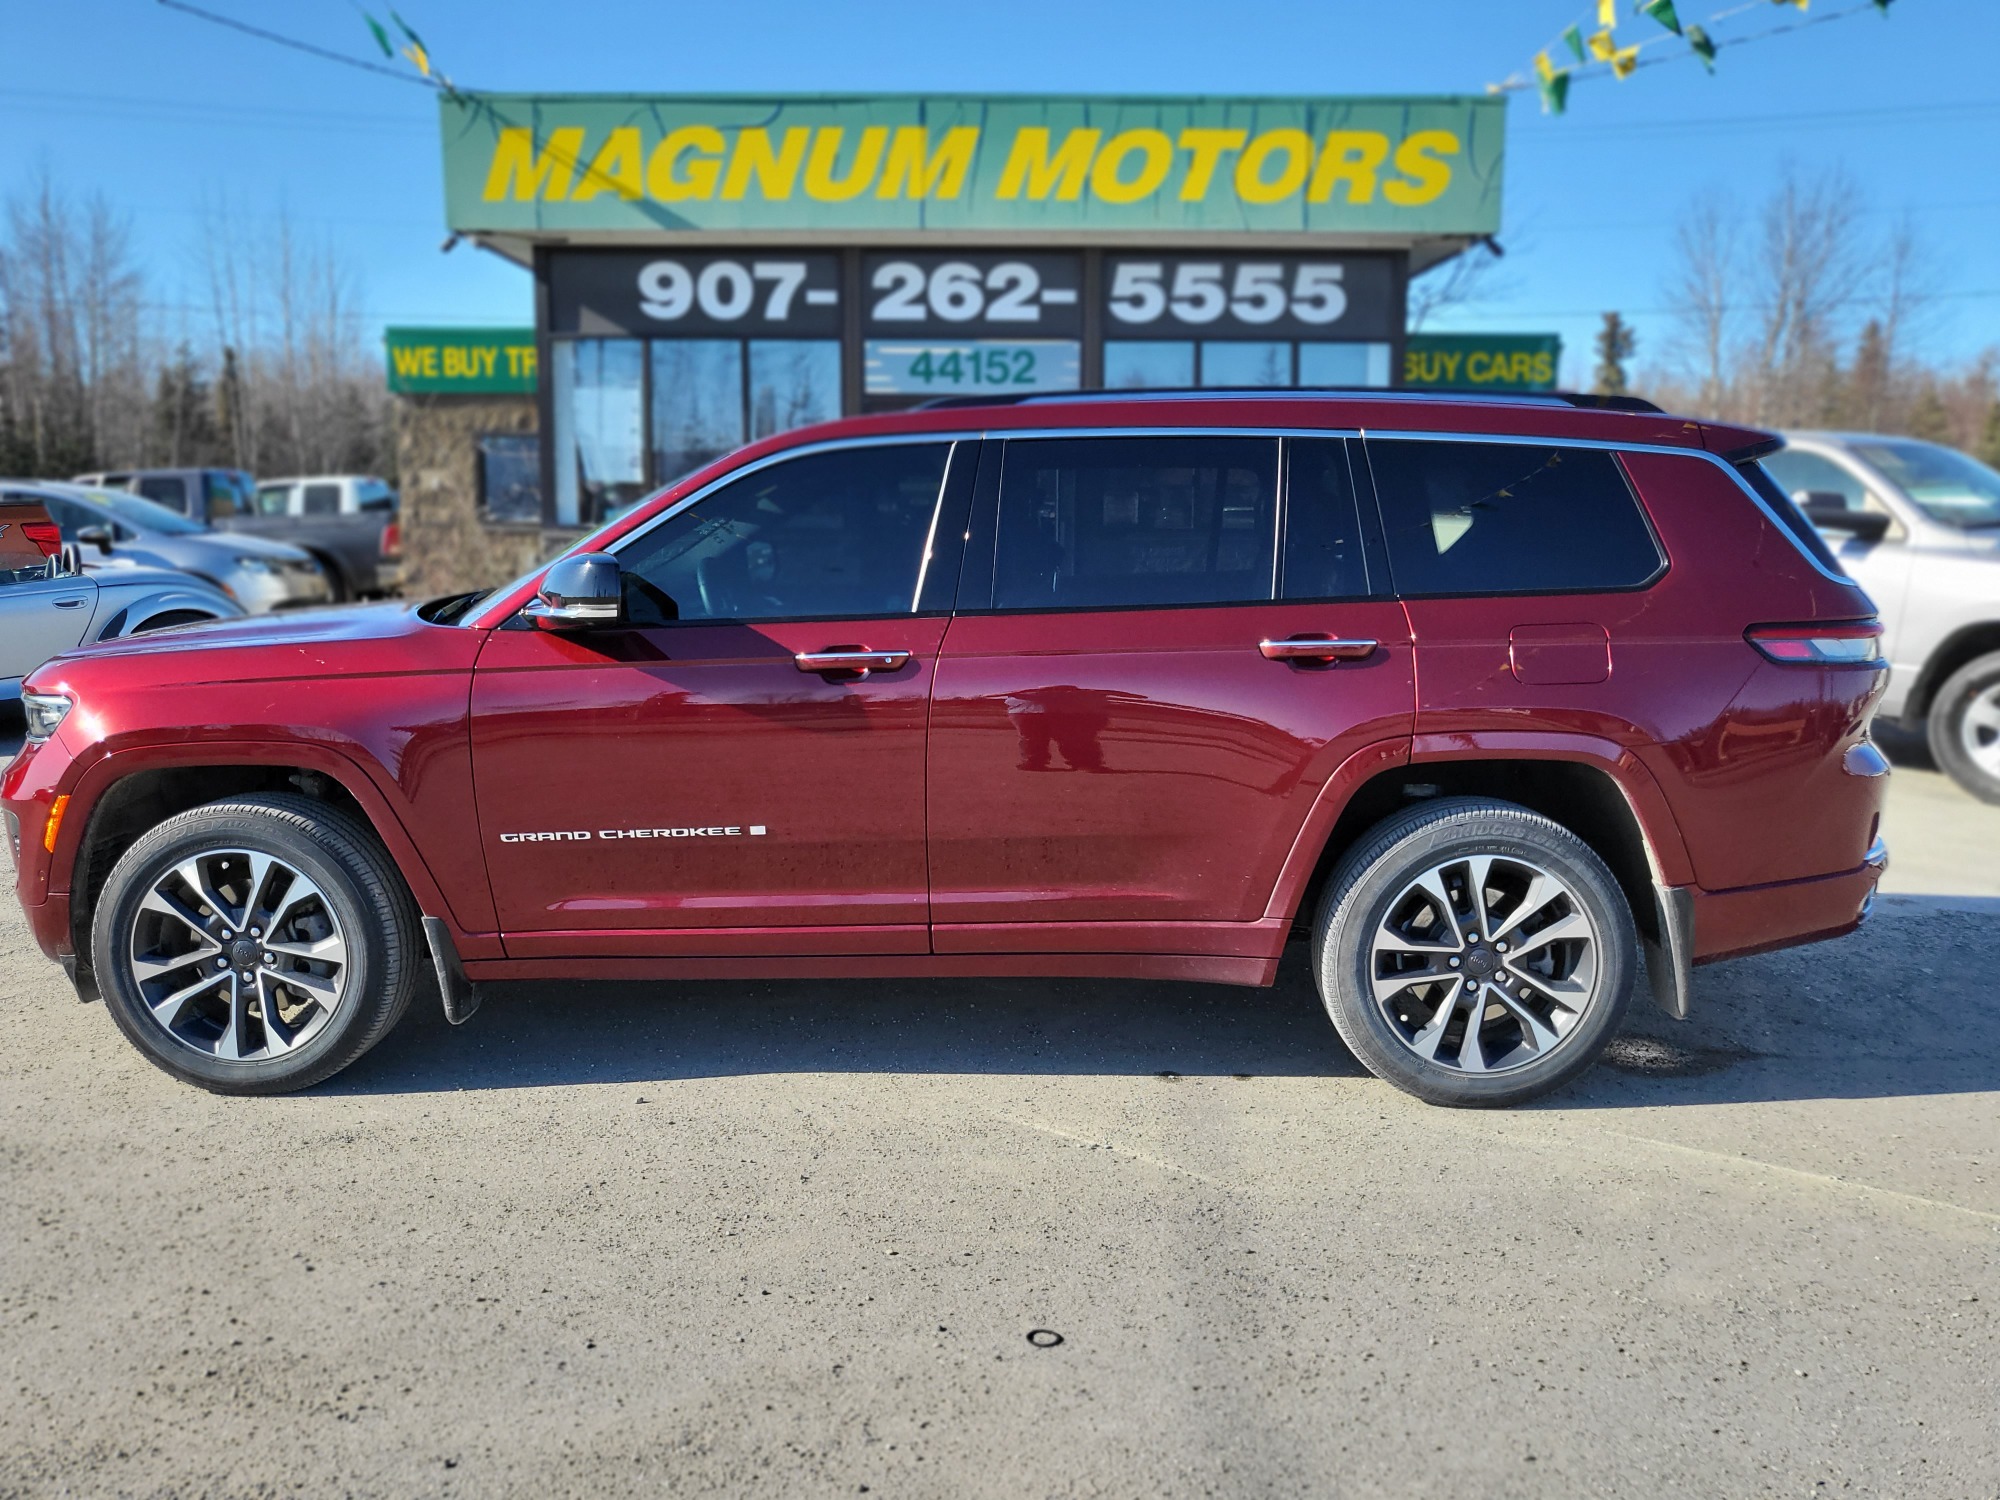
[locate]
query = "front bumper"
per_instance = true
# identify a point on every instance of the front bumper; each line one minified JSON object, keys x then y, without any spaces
{"x":1758,"y":919}
{"x":286,"y":586}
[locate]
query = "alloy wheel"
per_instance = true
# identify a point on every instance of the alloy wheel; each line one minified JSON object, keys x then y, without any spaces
{"x":238,"y":955}
{"x":1485,"y":963}
{"x":1979,"y":730}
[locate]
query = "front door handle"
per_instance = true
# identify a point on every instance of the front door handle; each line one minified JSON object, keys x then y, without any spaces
{"x":69,"y":604}
{"x":1317,"y":648}
{"x":850,"y":661}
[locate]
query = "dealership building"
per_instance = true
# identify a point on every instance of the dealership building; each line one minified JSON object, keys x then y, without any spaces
{"x":711,"y":269}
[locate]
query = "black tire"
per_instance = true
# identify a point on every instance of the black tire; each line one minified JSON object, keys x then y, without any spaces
{"x":1945,"y":725}
{"x":338,"y":590}
{"x":384,"y":958}
{"x":1376,"y":875}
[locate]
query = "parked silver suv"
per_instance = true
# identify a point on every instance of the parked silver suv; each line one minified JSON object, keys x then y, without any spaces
{"x":1917,"y":525}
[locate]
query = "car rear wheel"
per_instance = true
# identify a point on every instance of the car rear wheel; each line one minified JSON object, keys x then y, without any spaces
{"x":257,"y":945}
{"x":1473,"y":953}
{"x":1964,"y":727}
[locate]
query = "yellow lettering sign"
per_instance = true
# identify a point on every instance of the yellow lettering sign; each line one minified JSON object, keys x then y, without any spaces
{"x":527,"y":173}
{"x":1031,"y":167}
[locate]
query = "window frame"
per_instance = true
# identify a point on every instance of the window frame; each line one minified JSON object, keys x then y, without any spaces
{"x":980,"y":575}
{"x":938,"y":575}
{"x":1662,"y":566}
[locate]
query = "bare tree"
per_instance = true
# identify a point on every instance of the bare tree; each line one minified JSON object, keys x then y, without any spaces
{"x":1706,"y":248}
{"x":1808,"y":272}
{"x":1466,"y":277}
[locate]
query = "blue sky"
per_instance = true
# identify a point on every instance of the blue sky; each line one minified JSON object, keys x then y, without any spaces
{"x":177,"y":121}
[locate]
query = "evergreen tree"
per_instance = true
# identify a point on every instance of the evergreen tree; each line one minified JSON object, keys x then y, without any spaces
{"x":1615,"y":343}
{"x":1989,"y":439}
{"x":1928,"y":418}
{"x":1867,"y":391}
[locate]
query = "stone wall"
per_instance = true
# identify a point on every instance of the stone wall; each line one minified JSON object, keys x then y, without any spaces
{"x":447,"y":546}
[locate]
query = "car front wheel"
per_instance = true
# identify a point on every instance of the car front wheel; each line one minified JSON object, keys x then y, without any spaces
{"x":257,"y":945}
{"x":1964,"y":727}
{"x":1474,"y":953}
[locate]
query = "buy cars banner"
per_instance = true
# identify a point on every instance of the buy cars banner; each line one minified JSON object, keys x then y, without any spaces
{"x":1482,"y":361}
{"x":596,"y":162}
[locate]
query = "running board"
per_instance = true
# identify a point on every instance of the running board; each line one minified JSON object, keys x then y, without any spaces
{"x":461,"y":995}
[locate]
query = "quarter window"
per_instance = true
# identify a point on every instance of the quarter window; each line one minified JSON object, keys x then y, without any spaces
{"x":836,"y":534}
{"x":1509,"y":518}
{"x":1136,"y":521}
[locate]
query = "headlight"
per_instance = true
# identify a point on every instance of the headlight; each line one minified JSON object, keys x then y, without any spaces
{"x":45,"y":712}
{"x":257,"y":564}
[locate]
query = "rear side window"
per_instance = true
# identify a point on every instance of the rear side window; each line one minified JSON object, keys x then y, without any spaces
{"x":1136,"y":521}
{"x":166,"y":490}
{"x":1509,"y":518}
{"x":320,"y":500}
{"x":1790,"y":516}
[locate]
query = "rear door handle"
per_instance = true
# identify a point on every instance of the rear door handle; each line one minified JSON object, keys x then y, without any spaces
{"x":1317,"y":648}
{"x":854,"y":661}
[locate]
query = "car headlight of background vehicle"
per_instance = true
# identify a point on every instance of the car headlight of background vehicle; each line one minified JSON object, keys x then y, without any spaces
{"x":45,"y":713}
{"x":257,"y":564}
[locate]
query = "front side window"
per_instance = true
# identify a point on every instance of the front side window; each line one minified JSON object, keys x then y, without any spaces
{"x":272,"y":498}
{"x":1136,"y":521}
{"x":839,"y":534}
{"x":1951,"y":487}
{"x":1509,"y":518}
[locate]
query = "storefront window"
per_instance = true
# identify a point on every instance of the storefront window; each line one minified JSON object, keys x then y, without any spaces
{"x":1238,"y":363}
{"x":510,"y":477}
{"x":1132,"y":365}
{"x":600,"y":431}
{"x":697,"y":403}
{"x":793,"y":383}
{"x":1344,"y":364}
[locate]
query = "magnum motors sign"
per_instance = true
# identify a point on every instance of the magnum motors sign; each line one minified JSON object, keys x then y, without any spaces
{"x":530,"y":164}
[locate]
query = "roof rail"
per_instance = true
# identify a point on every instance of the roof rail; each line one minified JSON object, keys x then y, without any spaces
{"x":1224,"y":393}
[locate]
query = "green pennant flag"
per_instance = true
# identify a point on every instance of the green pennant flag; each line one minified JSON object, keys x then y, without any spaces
{"x":1663,"y":12}
{"x":1573,"y":39}
{"x":1704,"y":46}
{"x":381,"y":36}
{"x":1555,"y":93}
{"x":1883,"y":6}
{"x":404,"y":27}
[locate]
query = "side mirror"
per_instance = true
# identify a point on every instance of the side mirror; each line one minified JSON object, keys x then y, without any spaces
{"x":579,"y":592}
{"x":96,"y":536}
{"x":1829,"y":512}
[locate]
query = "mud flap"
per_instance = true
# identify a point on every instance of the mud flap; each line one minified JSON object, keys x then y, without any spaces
{"x":461,"y":995}
{"x":1670,"y":958}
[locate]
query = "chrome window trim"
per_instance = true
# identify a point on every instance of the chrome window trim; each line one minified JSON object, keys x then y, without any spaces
{"x":1007,"y":434}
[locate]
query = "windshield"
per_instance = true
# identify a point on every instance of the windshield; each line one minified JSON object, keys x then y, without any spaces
{"x":1948,"y":486}
{"x":142,"y":515}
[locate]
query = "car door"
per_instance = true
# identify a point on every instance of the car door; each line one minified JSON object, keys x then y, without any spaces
{"x":1143,"y":694}
{"x":738,"y":768}
{"x":40,"y":616}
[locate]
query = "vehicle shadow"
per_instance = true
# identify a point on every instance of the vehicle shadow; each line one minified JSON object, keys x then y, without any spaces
{"x":1901,"y":1007}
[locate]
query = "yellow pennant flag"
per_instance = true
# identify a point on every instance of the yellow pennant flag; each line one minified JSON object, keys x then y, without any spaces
{"x":1544,"y":69}
{"x":1607,"y":13}
{"x":416,"y":54}
{"x":1602,"y":46}
{"x":1623,"y":61}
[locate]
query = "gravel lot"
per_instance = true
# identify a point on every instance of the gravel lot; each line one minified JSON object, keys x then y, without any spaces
{"x":792,"y":1239}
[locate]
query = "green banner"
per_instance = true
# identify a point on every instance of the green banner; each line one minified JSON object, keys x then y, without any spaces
{"x":461,"y":361}
{"x":559,"y":163}
{"x":1482,"y":361}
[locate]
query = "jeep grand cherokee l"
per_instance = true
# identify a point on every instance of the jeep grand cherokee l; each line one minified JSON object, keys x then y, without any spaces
{"x":1480,"y":699}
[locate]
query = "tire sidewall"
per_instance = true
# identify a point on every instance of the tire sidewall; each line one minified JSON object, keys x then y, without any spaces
{"x":157,"y":852}
{"x":1362,"y":904}
{"x":1945,"y":726}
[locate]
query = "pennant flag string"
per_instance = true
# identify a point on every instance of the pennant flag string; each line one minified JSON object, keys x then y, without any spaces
{"x":1601,"y":51}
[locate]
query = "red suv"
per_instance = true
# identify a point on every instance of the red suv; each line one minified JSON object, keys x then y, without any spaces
{"x":1480,"y":698}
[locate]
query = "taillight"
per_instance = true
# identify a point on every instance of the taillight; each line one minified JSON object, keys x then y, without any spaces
{"x":1850,"y":643}
{"x":46,"y":536}
{"x":392,"y":539}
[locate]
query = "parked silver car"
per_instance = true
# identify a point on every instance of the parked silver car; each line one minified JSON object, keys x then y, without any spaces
{"x":48,"y":606}
{"x":1917,"y":525}
{"x":114,"y":526}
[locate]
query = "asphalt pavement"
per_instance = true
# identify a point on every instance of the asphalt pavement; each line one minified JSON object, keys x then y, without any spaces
{"x":969,"y":1238}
